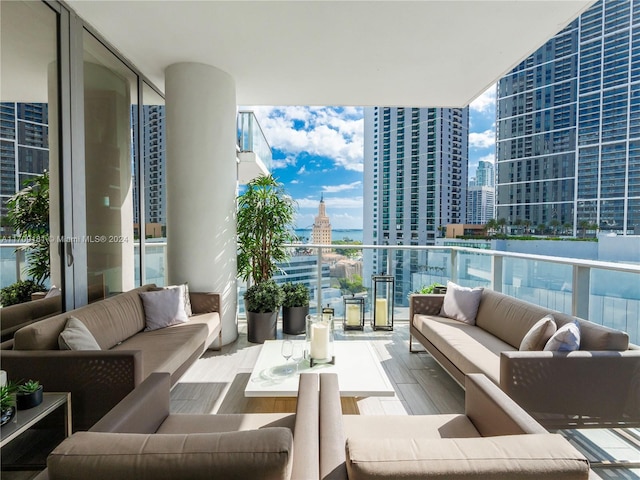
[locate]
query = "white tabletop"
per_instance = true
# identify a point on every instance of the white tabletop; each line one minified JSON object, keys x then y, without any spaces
{"x":359,"y":372}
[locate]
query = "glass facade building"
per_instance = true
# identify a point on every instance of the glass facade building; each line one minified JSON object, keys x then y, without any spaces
{"x":568,"y":126}
{"x":415,"y":177}
{"x":24,"y":149}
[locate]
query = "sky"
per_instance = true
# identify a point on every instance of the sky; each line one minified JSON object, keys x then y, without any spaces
{"x":318,"y":151}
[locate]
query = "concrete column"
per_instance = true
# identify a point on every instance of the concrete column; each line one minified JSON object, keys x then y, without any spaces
{"x":201,"y":184}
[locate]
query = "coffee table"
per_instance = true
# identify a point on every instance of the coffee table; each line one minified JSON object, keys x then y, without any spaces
{"x":359,"y":371}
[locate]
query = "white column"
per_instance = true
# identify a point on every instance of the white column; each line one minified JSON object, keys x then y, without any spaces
{"x":201,"y":183}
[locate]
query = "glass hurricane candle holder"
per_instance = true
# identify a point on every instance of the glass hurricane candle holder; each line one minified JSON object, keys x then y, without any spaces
{"x":319,"y":339}
{"x":383,"y":291}
{"x":353,"y":313}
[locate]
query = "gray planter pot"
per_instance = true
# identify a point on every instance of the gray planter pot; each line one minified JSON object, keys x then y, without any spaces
{"x":293,"y":320}
{"x":261,"y":326}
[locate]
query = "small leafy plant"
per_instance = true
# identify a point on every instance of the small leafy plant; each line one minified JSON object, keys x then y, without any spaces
{"x":295,"y":295}
{"x":30,"y":386}
{"x":7,"y":399}
{"x":264,"y":297}
{"x":19,"y":292}
{"x":430,"y":289}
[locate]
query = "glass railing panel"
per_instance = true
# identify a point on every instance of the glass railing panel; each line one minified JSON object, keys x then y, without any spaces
{"x":12,"y":264}
{"x":434,"y":266}
{"x":546,"y":284}
{"x":614,"y":301}
{"x":473,"y":269}
{"x":252,"y":139}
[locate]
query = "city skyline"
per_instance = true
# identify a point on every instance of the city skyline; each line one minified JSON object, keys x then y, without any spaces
{"x":318,"y":151}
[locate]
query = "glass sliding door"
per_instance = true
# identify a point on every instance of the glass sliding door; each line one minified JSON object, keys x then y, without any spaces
{"x":110,"y":93}
{"x":30,"y":185}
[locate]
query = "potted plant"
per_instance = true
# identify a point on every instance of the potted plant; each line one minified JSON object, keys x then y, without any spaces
{"x":434,"y":288}
{"x":262,"y":303}
{"x":7,"y":402}
{"x":264,"y":225}
{"x":294,"y":308}
{"x":29,"y":395}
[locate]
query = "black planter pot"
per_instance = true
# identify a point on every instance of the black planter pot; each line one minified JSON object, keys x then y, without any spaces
{"x":29,"y":400}
{"x":293,"y":320}
{"x":261,"y":326}
{"x":6,"y":415}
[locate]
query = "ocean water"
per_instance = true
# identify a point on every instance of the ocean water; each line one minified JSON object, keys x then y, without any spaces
{"x":336,"y":234}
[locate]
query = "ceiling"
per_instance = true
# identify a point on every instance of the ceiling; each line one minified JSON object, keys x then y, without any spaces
{"x":385,"y":52}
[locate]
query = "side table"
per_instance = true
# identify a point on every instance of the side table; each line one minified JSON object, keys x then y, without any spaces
{"x":25,"y":419}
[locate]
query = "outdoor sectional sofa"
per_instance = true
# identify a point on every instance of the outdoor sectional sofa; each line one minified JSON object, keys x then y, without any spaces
{"x":99,"y":379}
{"x":14,"y":317}
{"x":597,"y":385}
{"x":493,"y":439}
{"x":140,"y":438}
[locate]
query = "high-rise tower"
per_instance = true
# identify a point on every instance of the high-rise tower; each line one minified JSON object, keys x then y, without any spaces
{"x":321,"y":233}
{"x":568,"y":126}
{"x":415,"y":177}
{"x":24,"y":138}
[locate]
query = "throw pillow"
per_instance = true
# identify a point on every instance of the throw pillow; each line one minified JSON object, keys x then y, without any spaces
{"x":538,"y":336}
{"x":566,"y":339}
{"x":76,"y":336}
{"x":461,"y":303}
{"x":163,"y":308}
{"x":185,"y":299}
{"x":53,"y":292}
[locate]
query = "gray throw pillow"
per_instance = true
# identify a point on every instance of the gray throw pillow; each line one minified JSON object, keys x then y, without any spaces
{"x":163,"y":308}
{"x":566,"y":339}
{"x":461,"y":303}
{"x":185,"y":299}
{"x":76,"y":336}
{"x":538,"y":335}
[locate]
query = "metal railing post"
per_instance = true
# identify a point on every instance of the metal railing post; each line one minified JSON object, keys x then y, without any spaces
{"x":319,"y":287}
{"x":496,"y":273}
{"x":581,"y":291}
{"x":454,"y":265}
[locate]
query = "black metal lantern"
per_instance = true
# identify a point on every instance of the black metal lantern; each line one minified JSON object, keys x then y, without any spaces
{"x":353,"y":313}
{"x":382,"y":302}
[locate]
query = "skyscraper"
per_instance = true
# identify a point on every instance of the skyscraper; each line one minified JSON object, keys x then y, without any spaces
{"x":24,"y":148}
{"x":568,"y":126}
{"x":415,"y":177}
{"x":485,"y":176}
{"x":321,"y":232}
{"x":480,"y":204}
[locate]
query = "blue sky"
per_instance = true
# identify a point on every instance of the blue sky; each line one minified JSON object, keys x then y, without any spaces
{"x":319,"y":151}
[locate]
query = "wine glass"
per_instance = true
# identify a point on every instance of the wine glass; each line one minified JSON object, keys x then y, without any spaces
{"x":287,"y":351}
{"x":297,"y":355}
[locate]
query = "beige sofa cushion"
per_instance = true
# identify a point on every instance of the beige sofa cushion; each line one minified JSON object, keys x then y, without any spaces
{"x":110,"y":321}
{"x":469,"y":348}
{"x":534,"y":457}
{"x":167,"y":349}
{"x":506,"y":317}
{"x":264,"y":454}
{"x":409,"y":426}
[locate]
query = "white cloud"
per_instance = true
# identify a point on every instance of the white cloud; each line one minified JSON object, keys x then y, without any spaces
{"x":346,"y":221}
{"x":485,"y":102}
{"x":484,"y":139}
{"x":302,"y":170}
{"x":341,"y":188}
{"x":331,"y":202}
{"x":331,"y":132}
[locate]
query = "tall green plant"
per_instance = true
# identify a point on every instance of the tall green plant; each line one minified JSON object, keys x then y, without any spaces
{"x":265,"y":225}
{"x":28,"y":214}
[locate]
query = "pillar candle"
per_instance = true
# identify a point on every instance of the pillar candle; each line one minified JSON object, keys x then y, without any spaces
{"x":381,"y":312}
{"x":353,"y":314}
{"x":320,"y":340}
{"x":3,"y":378}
